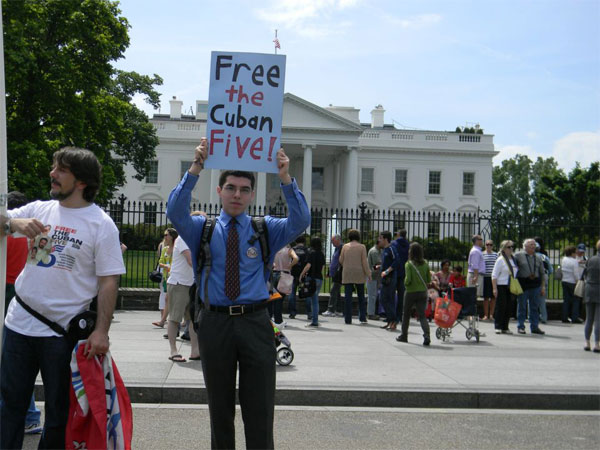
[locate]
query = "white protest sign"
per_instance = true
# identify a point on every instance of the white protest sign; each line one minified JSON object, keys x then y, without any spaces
{"x":245,"y":107}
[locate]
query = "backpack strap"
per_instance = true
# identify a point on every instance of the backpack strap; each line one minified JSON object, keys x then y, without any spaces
{"x":204,"y":261}
{"x":261,"y":233}
{"x":53,"y":325}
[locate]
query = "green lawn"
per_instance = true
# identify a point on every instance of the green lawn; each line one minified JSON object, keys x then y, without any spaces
{"x":138,"y":263}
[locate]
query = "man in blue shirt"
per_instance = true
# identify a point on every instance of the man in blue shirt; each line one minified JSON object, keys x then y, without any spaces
{"x":401,"y":246}
{"x":235,"y":328}
{"x":336,"y":285}
{"x":389,"y":265}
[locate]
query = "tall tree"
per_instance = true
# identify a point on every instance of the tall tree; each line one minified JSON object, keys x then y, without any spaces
{"x":511,"y":189}
{"x":571,"y":198}
{"x":61,"y":89}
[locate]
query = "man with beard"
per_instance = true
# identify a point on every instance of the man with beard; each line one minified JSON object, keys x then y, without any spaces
{"x":87,"y":263}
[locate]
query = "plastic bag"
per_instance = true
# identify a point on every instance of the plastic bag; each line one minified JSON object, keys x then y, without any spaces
{"x":446,"y":312}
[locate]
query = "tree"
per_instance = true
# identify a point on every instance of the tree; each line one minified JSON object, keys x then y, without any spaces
{"x":529,"y":196}
{"x":574,"y":198}
{"x":61,"y":89}
{"x":511,"y":189}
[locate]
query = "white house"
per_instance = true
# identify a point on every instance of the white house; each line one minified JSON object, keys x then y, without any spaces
{"x":338,"y":161}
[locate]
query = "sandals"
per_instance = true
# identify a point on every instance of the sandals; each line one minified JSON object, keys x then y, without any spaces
{"x":194,"y":358}
{"x":177,"y":358}
{"x":159,"y":324}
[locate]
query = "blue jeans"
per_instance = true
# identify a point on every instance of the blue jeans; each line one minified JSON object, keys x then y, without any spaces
{"x":33,"y":414}
{"x":292,"y":299}
{"x":362,"y":308}
{"x":530,"y":296}
{"x":276,"y":306}
{"x":543,"y":308}
{"x":312,"y":302}
{"x":22,"y":358}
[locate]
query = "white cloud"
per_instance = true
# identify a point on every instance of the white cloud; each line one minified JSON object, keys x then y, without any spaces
{"x":415,"y":22}
{"x":581,"y":146}
{"x":309,"y":18}
{"x":510,"y":151}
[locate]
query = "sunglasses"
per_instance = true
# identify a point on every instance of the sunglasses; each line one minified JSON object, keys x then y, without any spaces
{"x":489,"y":245}
{"x":509,"y":246}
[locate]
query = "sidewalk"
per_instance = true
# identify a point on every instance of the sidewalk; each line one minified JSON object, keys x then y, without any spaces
{"x":363,"y":365}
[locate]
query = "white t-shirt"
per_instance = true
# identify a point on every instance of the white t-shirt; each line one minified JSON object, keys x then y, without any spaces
{"x":181,"y":271}
{"x":60,"y":278}
{"x":570,"y":270}
{"x":501,"y":272}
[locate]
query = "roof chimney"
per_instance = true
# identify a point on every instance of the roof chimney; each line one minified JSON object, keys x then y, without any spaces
{"x":175,"y":108}
{"x":377,"y":117}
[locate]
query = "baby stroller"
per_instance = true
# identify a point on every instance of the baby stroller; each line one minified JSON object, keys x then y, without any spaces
{"x":467,"y":297}
{"x":284,"y":355}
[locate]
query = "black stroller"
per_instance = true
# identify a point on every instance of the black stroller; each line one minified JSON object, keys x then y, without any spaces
{"x":467,"y":297}
{"x":284,"y":355}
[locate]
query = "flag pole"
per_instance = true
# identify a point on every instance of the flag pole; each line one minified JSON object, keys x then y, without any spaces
{"x":275,"y":41}
{"x":3,"y":176}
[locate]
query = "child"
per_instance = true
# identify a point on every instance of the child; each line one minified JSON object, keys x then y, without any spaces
{"x":456,"y":279}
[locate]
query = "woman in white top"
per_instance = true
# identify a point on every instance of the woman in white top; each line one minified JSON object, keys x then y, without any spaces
{"x":284,"y":260}
{"x":501,"y":286}
{"x":570,"y":270}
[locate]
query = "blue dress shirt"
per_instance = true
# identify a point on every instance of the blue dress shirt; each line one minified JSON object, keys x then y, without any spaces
{"x":253,"y":286}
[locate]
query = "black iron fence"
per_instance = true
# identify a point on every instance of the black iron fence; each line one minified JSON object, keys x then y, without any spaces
{"x":443,"y":235}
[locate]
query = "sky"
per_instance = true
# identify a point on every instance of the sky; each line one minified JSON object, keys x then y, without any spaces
{"x":527,"y":71}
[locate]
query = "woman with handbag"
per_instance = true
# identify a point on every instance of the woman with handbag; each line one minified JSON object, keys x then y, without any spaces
{"x":416,"y":281}
{"x":355,"y":272}
{"x":283,"y":281}
{"x":591,"y":298}
{"x":570,"y":270}
{"x":164,"y":264}
{"x":505,"y":270}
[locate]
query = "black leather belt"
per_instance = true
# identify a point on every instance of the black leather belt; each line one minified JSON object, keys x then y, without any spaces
{"x":238,"y":310}
{"x":280,"y":271}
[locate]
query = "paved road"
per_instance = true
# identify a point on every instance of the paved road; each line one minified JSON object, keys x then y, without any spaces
{"x":159,"y":427}
{"x":362,"y":365}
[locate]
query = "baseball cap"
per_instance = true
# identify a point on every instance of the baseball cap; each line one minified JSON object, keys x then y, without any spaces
{"x":581,"y":247}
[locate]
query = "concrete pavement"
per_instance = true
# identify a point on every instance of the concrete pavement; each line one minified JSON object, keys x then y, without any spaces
{"x":363,"y":365}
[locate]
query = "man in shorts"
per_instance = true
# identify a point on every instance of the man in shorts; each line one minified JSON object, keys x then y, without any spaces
{"x":181,"y":278}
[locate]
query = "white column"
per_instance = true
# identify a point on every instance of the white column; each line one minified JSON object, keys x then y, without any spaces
{"x":214,"y":182}
{"x":336,"y":183}
{"x":261,"y":190}
{"x":351,"y":178}
{"x":307,"y":174}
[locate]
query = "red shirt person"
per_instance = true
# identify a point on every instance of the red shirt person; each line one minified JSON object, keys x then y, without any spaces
{"x":16,"y":251}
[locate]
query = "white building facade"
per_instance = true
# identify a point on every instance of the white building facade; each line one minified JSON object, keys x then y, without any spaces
{"x":338,"y":162}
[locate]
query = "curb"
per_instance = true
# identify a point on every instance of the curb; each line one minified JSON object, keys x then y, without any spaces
{"x":542,"y":400}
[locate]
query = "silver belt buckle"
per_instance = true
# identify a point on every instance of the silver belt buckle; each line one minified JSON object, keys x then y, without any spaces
{"x":233,"y":310}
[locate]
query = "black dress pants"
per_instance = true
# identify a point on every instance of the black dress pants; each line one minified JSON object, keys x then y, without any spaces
{"x":227,"y":342}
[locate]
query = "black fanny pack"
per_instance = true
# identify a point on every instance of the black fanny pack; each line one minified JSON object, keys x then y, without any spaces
{"x":80,"y":327}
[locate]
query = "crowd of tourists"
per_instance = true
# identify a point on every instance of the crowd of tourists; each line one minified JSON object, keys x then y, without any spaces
{"x":400,"y":283}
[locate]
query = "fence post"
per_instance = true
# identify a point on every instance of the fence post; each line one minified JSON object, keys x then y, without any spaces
{"x":362,"y":207}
